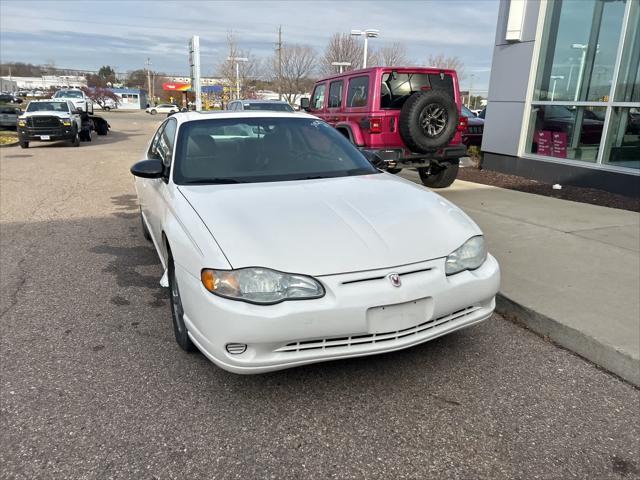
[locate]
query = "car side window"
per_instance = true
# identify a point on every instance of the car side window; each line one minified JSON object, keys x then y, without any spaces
{"x":317,"y":99}
{"x":153,"y":149}
{"x":358,"y":93}
{"x":166,"y":142}
{"x":335,"y":94}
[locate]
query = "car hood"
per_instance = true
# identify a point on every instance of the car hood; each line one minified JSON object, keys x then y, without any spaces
{"x":47,"y":114}
{"x":328,"y":226}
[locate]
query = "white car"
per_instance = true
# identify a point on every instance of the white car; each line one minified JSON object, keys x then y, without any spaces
{"x":283,"y":246}
{"x":163,"y":108}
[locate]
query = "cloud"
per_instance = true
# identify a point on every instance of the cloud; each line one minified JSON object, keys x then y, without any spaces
{"x":125,"y":33}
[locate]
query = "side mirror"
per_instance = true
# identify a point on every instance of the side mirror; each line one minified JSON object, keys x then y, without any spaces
{"x":148,"y":169}
{"x":374,"y":158}
{"x":304,"y":104}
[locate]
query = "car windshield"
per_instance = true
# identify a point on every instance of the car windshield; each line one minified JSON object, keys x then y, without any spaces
{"x":68,"y":94}
{"x":274,"y":107}
{"x":467,"y":113}
{"x":246,"y":150}
{"x":48,"y":107}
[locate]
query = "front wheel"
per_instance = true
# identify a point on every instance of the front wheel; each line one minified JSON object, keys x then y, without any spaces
{"x":177,"y":312}
{"x":24,"y":144}
{"x":153,"y":112}
{"x":439,"y":176}
{"x":75,"y":141}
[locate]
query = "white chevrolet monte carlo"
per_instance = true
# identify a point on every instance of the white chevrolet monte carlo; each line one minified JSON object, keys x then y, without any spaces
{"x":283,"y":245}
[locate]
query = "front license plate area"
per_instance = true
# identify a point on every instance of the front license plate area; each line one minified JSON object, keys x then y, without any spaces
{"x":45,"y":137}
{"x":391,"y":318}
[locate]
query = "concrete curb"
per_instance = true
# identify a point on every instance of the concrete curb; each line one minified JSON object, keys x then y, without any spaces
{"x":605,"y":356}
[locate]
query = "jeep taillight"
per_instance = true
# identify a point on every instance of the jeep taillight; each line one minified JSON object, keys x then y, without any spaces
{"x":462,"y":123}
{"x":375,"y":125}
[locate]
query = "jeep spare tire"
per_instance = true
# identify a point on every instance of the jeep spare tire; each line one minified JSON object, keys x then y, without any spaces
{"x":428,"y":120}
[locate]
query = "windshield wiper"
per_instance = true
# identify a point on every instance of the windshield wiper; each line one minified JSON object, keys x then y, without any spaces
{"x":203,"y":181}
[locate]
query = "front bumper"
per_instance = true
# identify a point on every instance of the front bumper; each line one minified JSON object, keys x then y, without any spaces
{"x":54,"y":133}
{"x":361,"y":314}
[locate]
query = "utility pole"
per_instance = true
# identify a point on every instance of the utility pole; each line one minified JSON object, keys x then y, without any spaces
{"x":470,"y":89}
{"x":279,"y":49}
{"x":147,"y":65}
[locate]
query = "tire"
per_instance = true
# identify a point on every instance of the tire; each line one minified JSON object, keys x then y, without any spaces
{"x":85,"y":135}
{"x":106,"y":109}
{"x":442,"y":177}
{"x":75,"y":142}
{"x":24,"y":144}
{"x":428,"y":120}
{"x":153,"y":112}
{"x":102,"y":128}
{"x":177,"y":312}
{"x":145,"y":230}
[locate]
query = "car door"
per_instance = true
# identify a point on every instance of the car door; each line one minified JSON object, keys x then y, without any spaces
{"x":157,"y":189}
{"x":334,"y":102}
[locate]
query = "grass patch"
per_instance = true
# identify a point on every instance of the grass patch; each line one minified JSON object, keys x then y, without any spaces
{"x":8,"y":137}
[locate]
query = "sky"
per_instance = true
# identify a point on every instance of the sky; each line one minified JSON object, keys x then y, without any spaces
{"x":85,"y":34}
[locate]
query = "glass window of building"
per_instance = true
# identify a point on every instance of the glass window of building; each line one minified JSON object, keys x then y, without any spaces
{"x":586,"y":98}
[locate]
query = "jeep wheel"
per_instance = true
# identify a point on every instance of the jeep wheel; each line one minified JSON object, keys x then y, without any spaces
{"x":439,"y":176}
{"x":428,"y":120}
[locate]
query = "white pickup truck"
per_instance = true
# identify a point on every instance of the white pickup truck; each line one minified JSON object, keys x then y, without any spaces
{"x":58,"y":119}
{"x":77,"y":97}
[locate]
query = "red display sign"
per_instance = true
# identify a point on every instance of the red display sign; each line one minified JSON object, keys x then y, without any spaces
{"x":559,"y":144}
{"x":544,"y":140}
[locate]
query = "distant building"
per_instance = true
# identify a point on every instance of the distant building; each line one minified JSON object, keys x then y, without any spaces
{"x":564,"y":94}
{"x":46,"y":82}
{"x":131,"y":98}
{"x":8,"y":85}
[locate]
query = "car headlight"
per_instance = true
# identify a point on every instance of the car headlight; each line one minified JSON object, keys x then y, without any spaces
{"x":469,"y":256}
{"x":260,"y":285}
{"x":22,"y":122}
{"x":66,"y":122}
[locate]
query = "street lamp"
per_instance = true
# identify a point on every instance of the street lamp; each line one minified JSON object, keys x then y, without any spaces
{"x":555,"y":78}
{"x":237,"y":61}
{"x":583,"y":47}
{"x":341,"y":65}
{"x":367,"y":34}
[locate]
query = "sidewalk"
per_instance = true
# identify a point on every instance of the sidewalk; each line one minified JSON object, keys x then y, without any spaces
{"x":570,"y":271}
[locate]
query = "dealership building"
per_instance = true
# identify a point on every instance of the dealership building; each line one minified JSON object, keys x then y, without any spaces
{"x":564,"y":93}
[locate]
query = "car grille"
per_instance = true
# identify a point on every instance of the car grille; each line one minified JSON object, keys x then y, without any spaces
{"x":355,"y":341}
{"x":44,"y":122}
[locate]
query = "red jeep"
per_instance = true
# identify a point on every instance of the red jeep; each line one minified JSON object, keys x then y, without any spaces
{"x":400,"y":117}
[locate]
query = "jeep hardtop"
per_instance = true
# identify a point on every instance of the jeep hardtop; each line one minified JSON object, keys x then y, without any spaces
{"x":400,"y":117}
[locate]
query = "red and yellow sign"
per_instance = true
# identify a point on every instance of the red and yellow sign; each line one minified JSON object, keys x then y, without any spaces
{"x":176,"y":86}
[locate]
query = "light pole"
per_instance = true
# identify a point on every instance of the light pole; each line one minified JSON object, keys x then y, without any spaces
{"x":340,"y":65}
{"x":583,"y":47}
{"x":237,"y":60}
{"x":367,"y":34}
{"x":555,"y":78}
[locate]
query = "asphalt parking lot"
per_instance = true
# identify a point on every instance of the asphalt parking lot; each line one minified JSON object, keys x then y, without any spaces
{"x":93,"y":384}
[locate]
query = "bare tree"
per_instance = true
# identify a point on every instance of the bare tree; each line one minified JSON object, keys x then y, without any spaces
{"x":102,"y":96}
{"x":298,"y":62}
{"x":247,"y":70}
{"x":452,"y":62}
{"x":394,"y":55}
{"x":342,"y":47}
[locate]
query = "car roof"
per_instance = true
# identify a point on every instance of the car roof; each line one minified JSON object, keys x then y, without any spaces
{"x":364,"y":71}
{"x":183,"y":117}
{"x":59,"y":100}
{"x":248,"y":100}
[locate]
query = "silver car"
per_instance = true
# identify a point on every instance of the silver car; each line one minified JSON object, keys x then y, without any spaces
{"x":9,"y":116}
